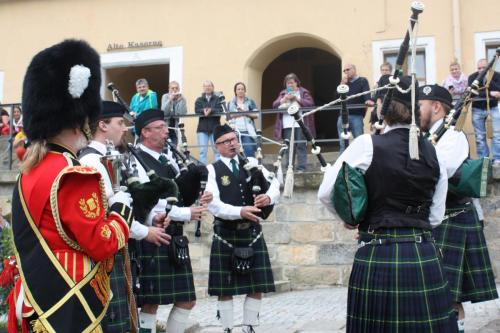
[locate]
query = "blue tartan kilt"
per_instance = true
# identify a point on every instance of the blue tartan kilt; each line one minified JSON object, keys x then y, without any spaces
{"x":398,"y":287}
{"x":466,"y":259}
{"x":222,"y":281}
{"x":117,"y":319}
{"x":161,"y":281}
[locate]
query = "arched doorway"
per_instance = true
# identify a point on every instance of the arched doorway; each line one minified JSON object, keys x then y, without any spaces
{"x":313,"y":59}
{"x":319,"y":72}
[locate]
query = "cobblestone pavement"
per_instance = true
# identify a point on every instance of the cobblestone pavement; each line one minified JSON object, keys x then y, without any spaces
{"x":316,"y":311}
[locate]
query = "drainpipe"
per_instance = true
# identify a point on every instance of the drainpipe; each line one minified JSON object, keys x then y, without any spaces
{"x":457,"y":46}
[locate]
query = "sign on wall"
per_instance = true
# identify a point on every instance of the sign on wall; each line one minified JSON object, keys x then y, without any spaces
{"x":134,"y":45}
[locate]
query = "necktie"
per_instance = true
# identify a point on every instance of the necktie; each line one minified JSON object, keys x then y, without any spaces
{"x":163,"y":160}
{"x":235,"y":170}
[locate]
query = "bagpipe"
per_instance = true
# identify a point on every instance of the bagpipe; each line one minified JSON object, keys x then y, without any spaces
{"x":416,"y":8}
{"x":294,"y":111}
{"x":456,"y":117}
{"x":346,"y":135}
{"x":255,"y":178}
{"x":130,"y":116}
{"x":349,"y":194}
{"x":471,"y":178}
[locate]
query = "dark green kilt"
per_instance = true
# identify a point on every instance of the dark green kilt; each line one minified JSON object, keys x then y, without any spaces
{"x":222,"y":281}
{"x":117,"y":319}
{"x":465,"y":255}
{"x":163,"y":282}
{"x":398,"y":287}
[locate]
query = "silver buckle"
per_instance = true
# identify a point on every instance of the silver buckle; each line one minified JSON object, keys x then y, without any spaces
{"x":370,"y":230}
{"x":361,"y":244}
{"x":376,"y":241}
{"x":418,"y":239}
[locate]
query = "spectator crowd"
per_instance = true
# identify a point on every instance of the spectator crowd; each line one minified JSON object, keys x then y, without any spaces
{"x":485,"y":112}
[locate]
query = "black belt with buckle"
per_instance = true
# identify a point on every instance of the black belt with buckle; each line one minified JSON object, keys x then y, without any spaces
{"x":386,"y":241}
{"x":233,"y":225}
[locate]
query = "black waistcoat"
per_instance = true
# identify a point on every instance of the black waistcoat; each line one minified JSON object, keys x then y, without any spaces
{"x":166,"y":171}
{"x":400,"y":190}
{"x":233,"y":191}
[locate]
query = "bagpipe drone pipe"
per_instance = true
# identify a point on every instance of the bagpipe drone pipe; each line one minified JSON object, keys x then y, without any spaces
{"x":416,"y":8}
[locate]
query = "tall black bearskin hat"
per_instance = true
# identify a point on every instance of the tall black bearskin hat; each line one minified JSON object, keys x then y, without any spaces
{"x":61,"y":89}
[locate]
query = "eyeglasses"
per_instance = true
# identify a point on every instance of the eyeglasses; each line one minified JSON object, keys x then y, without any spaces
{"x":227,"y":142}
{"x":346,"y":69}
{"x":160,"y":127}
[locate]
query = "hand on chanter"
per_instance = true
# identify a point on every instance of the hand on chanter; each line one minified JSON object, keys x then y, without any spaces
{"x":206,"y":198}
{"x":262,"y":200}
{"x":161,"y":220}
{"x":158,"y":236}
{"x":197,"y":212}
{"x":248,"y":213}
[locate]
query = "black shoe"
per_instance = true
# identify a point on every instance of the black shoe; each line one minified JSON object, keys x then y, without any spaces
{"x":228,"y":330}
{"x":248,"y":329}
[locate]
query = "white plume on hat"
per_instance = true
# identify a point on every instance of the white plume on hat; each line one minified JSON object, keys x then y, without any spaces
{"x":79,"y":76}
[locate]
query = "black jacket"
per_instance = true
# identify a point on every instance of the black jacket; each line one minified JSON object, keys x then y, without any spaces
{"x":207,"y":124}
{"x":494,"y":86}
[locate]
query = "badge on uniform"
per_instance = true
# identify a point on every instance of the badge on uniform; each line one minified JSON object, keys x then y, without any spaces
{"x":90,"y":207}
{"x":225,"y":180}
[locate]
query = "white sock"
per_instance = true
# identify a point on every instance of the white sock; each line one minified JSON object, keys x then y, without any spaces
{"x":251,"y":309}
{"x":177,"y":320}
{"x":226,"y":314}
{"x":147,"y":322}
{"x":461,"y":325}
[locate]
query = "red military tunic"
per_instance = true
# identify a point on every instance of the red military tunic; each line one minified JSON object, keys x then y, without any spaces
{"x":68,"y":205}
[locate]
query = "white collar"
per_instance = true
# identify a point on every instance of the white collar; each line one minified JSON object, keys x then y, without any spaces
{"x":396,"y":126}
{"x":99,"y":146}
{"x":435,"y":126}
{"x":227,"y":161}
{"x":151,"y":152}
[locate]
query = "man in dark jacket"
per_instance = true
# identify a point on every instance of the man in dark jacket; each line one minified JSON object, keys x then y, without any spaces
{"x":480,"y":113}
{"x":356,"y":85}
{"x":205,"y":105}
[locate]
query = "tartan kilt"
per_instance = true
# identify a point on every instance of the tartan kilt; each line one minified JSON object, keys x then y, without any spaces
{"x":163,"y":282}
{"x":117,"y":319}
{"x":222,"y":281}
{"x":466,"y":260}
{"x":398,"y":287}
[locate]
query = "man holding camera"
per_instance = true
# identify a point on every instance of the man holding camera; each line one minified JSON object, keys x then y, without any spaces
{"x":205,"y":105}
{"x":173,"y":104}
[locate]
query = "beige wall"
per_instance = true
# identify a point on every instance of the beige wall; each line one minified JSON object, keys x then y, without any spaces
{"x":228,"y":40}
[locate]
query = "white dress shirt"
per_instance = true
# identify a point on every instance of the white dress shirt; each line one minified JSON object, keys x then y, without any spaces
{"x":177,"y":213}
{"x":359,"y":155}
{"x":229,"y":212}
{"x":137,"y":230}
{"x":452,"y":148}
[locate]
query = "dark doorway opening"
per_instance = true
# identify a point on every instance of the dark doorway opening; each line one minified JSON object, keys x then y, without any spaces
{"x":319,"y":72}
{"x":124,"y":79}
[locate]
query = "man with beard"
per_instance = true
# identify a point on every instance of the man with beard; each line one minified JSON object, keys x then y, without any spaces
{"x":460,"y":236}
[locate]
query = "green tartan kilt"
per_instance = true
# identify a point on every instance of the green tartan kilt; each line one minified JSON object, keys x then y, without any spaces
{"x":465,"y":255}
{"x":222,"y":281}
{"x":398,"y":287}
{"x":163,"y":282}
{"x":117,"y":319}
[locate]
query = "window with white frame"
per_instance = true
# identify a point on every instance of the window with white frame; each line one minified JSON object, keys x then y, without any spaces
{"x":486,"y":44}
{"x":490,"y":53}
{"x":391,"y":56}
{"x":425,"y":66}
